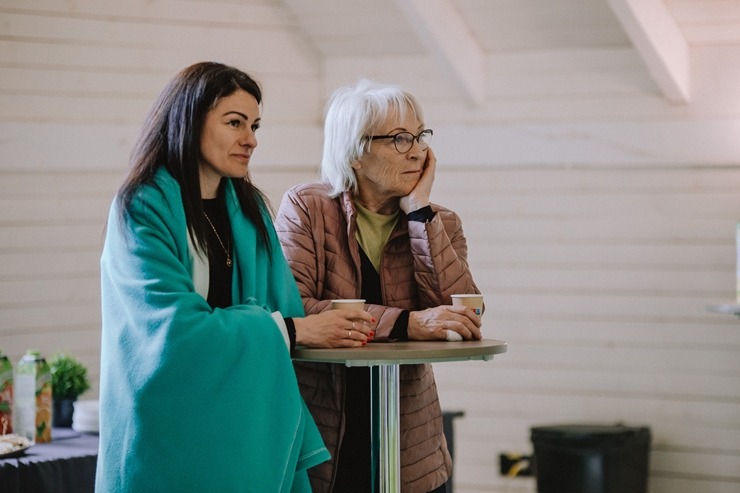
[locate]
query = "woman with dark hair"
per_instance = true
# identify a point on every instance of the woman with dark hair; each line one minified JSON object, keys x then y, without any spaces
{"x":200,"y":310}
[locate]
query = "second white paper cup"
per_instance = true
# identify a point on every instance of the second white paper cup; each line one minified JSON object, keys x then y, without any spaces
{"x":474,"y":301}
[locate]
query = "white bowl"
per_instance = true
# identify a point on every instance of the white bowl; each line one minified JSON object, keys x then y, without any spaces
{"x":88,"y":406}
{"x":85,"y":418}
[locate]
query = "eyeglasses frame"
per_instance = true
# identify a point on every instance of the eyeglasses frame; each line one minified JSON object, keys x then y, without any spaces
{"x":416,"y":138}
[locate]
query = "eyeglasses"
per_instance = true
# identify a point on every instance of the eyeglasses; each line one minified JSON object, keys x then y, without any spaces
{"x":404,"y":141}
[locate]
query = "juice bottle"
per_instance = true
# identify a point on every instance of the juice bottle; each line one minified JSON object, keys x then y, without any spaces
{"x":6,"y":395}
{"x":33,"y":398}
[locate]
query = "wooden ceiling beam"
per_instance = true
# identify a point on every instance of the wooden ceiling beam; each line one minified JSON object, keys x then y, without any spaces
{"x":660,"y":43}
{"x":444,"y":32}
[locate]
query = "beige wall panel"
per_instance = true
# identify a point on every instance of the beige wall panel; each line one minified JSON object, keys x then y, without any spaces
{"x":600,"y":218}
{"x":249,"y":13}
{"x":69,"y":148}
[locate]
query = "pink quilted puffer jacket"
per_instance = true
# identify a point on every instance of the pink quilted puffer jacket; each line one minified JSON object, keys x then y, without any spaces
{"x":422,"y":265}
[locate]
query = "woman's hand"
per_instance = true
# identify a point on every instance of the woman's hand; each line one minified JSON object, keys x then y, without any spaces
{"x":419,"y":196}
{"x":433,"y":323}
{"x":335,"y":328}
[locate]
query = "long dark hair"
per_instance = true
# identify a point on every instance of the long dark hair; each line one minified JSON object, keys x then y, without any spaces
{"x":170,"y":137}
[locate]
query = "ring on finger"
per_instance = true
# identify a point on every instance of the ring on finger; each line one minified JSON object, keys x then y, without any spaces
{"x":349,"y":334}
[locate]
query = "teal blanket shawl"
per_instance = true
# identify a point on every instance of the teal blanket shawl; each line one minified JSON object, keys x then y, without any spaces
{"x":195,"y":399}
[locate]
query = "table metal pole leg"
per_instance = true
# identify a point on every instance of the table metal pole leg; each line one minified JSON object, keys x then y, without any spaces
{"x":390,"y":435}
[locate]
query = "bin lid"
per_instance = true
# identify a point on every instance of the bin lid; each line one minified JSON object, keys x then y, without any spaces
{"x":577,"y":432}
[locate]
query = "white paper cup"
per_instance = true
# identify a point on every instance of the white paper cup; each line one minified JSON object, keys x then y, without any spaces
{"x":474,"y":301}
{"x":347,"y":304}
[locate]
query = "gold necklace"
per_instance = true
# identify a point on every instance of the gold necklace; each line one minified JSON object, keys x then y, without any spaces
{"x":226,"y":251}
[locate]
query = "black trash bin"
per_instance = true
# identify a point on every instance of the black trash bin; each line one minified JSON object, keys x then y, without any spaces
{"x":449,"y":431}
{"x":588,"y":458}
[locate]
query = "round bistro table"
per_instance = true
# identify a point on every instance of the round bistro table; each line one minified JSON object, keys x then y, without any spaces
{"x":388,"y":357}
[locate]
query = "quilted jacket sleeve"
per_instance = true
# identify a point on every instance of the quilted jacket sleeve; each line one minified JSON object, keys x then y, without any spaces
{"x":440,"y":251}
{"x":305,"y":251}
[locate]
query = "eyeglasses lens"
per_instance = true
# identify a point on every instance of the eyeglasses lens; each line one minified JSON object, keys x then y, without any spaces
{"x":405,"y":140}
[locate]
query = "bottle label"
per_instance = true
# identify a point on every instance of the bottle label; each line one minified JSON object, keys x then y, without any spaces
{"x":43,"y":409}
{"x":43,"y":406}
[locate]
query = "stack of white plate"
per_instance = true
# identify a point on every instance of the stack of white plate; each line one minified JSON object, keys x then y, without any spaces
{"x":85,"y":417}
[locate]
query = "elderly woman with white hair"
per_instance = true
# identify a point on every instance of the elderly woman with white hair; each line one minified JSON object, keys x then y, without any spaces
{"x":368,"y":230}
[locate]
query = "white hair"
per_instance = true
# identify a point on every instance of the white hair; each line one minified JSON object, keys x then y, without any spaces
{"x":352,"y":113}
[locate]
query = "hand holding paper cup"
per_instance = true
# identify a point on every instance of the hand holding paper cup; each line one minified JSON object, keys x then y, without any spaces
{"x":472,"y":301}
{"x":354,"y":304}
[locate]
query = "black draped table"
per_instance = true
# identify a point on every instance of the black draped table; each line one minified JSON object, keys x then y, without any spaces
{"x":388,"y":357}
{"x":66,"y":465}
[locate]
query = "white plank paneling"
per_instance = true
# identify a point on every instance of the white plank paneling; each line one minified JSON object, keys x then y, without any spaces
{"x":600,"y":218}
{"x":246,"y":14}
{"x":591,"y":277}
{"x":106,"y":146}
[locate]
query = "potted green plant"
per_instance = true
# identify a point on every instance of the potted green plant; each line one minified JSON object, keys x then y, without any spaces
{"x":68,"y":381}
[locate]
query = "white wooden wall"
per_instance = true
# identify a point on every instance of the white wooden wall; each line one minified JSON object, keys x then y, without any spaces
{"x":598,"y":280}
{"x":600,"y":219}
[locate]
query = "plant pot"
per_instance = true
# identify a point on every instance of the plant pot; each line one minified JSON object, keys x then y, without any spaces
{"x":63,"y":411}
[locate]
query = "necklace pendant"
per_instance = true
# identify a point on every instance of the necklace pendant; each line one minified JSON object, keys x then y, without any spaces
{"x":228,"y":262}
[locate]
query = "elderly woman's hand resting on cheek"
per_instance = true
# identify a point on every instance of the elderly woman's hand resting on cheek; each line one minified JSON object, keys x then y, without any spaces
{"x":419,"y":196}
{"x":432,"y":324}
